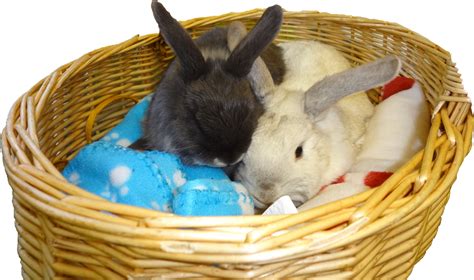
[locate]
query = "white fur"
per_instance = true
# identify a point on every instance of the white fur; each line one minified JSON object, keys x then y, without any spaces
{"x":330,"y":142}
{"x":217,"y":162}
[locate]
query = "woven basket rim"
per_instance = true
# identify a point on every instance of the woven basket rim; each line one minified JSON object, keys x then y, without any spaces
{"x":256,"y":13}
{"x":355,"y":218}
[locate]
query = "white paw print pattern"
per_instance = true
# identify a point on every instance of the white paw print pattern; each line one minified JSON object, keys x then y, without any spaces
{"x":124,"y":142}
{"x":113,"y":197}
{"x":123,"y":190}
{"x":106,"y":194}
{"x":178,"y":178}
{"x":118,"y":177}
{"x":115,"y":135}
{"x":74,"y":178}
{"x":155,"y":205}
{"x":200,"y":188}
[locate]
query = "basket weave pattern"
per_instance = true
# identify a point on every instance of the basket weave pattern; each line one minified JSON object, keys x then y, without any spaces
{"x":67,"y":232}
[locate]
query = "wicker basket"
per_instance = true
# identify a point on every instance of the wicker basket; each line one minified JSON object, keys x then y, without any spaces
{"x":66,"y":232}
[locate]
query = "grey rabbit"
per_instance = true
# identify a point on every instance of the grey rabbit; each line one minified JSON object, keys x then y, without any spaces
{"x":205,"y":109}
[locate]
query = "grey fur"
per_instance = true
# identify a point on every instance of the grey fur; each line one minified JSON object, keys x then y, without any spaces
{"x":204,"y":109}
{"x":331,"y":89}
{"x":260,"y":77}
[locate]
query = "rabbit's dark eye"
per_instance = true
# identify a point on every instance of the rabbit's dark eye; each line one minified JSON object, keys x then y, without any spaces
{"x":299,"y":152}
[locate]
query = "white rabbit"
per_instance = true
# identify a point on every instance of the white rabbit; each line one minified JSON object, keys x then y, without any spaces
{"x":311,"y":131}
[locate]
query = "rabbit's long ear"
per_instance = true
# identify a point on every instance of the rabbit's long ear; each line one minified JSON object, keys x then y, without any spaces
{"x":331,"y":89}
{"x":246,"y":52}
{"x":178,"y":39}
{"x":259,"y":77}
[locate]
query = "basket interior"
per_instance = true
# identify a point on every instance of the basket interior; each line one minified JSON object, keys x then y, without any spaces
{"x":135,"y":71}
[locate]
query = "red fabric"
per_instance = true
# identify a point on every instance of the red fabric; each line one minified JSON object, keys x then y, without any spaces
{"x":396,"y":85}
{"x":340,"y":179}
{"x":323,"y":188}
{"x":372,"y":179}
{"x":376,"y":178}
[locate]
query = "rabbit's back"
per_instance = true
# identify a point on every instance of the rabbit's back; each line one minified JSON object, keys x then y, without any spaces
{"x":308,"y":62}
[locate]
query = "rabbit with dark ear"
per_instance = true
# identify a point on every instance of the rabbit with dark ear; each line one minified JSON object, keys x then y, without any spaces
{"x":205,"y":109}
{"x":310,"y":132}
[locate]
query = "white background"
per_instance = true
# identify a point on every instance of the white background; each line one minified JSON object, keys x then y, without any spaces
{"x":38,"y":36}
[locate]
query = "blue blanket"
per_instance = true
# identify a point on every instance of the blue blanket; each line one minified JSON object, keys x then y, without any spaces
{"x":153,"y":179}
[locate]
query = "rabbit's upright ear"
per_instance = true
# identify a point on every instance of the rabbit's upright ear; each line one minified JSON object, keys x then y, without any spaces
{"x":251,"y":46}
{"x":259,"y":77}
{"x":331,"y":89}
{"x":178,"y":39}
